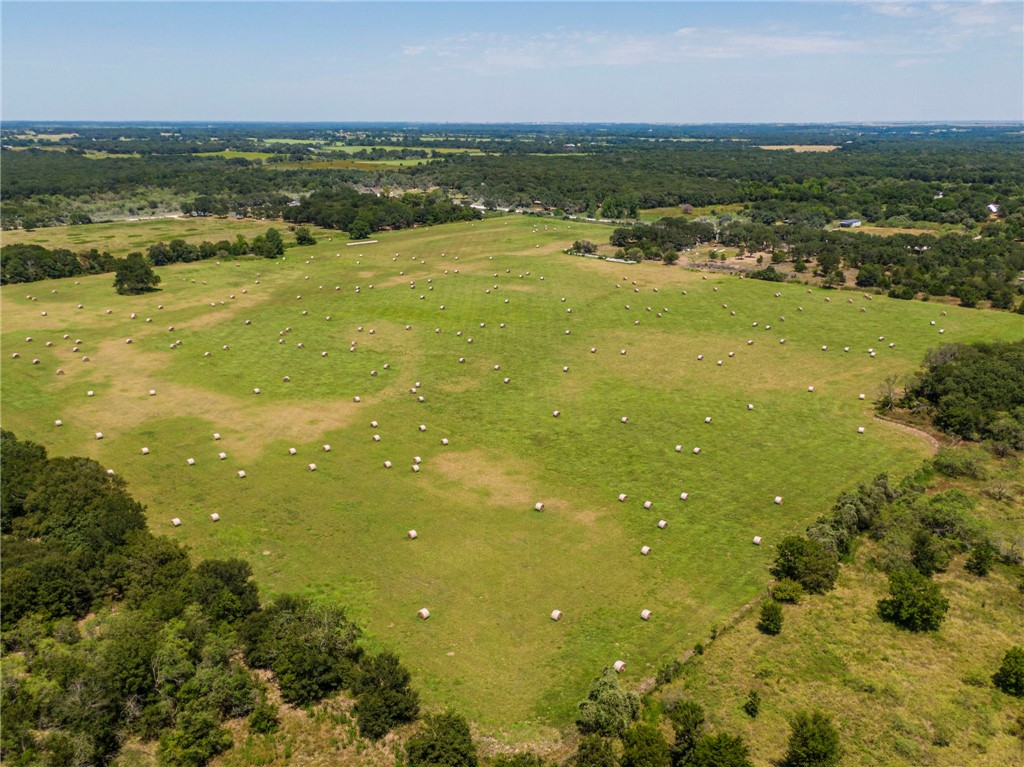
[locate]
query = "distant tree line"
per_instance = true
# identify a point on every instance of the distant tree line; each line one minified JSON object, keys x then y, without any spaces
{"x":30,"y":263}
{"x":159,"y":655}
{"x":362,"y":214}
{"x":905,"y":265}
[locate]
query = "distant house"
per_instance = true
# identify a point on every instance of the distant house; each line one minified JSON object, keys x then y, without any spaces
{"x":849,"y":223}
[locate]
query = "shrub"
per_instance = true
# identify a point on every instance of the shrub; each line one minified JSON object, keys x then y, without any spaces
{"x":197,"y":738}
{"x":263,"y":718}
{"x":720,"y":751}
{"x":670,"y":671}
{"x":915,"y":602}
{"x":608,"y":709}
{"x":521,"y":759}
{"x":594,"y":751}
{"x":643,"y":745}
{"x":981,"y":559}
{"x":1010,"y":676}
{"x":808,"y":562}
{"x":752,"y":705}
{"x":954,"y":462}
{"x":771,"y":617}
{"x":927,"y":554}
{"x":813,"y":742}
{"x":787,"y":590}
{"x":386,"y":698}
{"x":445,"y":742}
{"x":687,"y":718}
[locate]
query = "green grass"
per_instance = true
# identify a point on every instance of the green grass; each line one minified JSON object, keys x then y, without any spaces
{"x":120,"y":238}
{"x":836,"y":654}
{"x":487,"y":565}
{"x":229,"y":154}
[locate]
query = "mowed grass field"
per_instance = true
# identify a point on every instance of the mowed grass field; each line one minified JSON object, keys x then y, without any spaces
{"x":487,"y":565}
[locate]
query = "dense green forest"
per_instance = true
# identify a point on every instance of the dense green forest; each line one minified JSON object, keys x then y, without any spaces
{"x":112,"y":632}
{"x":975,"y":392}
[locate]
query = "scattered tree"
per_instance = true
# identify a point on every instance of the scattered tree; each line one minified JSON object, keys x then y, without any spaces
{"x":445,"y":741}
{"x":1010,"y":676}
{"x":771,"y":617}
{"x":807,"y":562}
{"x":813,"y":742}
{"x":915,"y":602}
{"x":135,"y":275}
{"x":643,"y":745}
{"x":608,"y":709}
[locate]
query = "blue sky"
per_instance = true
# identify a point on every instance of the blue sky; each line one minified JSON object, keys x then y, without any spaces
{"x":665,"y":62}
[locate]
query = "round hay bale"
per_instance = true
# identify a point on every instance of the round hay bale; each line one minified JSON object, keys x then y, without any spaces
{"x":506,"y":380}
{"x":684,"y":496}
{"x":387,"y":464}
{"x":222,"y":456}
{"x":662,"y":523}
{"x":707,"y":419}
{"x":860,"y":429}
{"x":860,"y":396}
{"x":750,"y":406}
{"x":645,"y":550}
{"x":648,"y":505}
{"x":565,"y":368}
{"x":110,"y":472}
{"x":58,"y":422}
{"x":190,"y":461}
{"x":326,"y":448}
{"x":241,"y":473}
{"x":679,"y":448}
{"x":412,"y":535}
{"x":256,"y":390}
{"x":539,"y":506}
{"x":624,"y":419}
{"x":422,"y":427}
{"x":556,"y":413}
{"x":176,"y":522}
{"x":423,"y":613}
{"x":145,"y":451}
{"x":645,"y":615}
{"x":556,"y":615}
{"x":216,"y":436}
{"x":152,"y":392}
{"x":373,"y":424}
{"x":622,"y":351}
{"x":215,"y":517}
{"x":696,"y":451}
{"x":810,"y":388}
{"x":90,"y":393}
{"x":778,"y":500}
{"x":444,"y":441}
{"x":622,"y":497}
{"x":99,"y":435}
{"x":700,"y":357}
{"x":757,"y":540}
{"x":620,"y":665}
{"x":312,"y":467}
{"x":593,"y":350}
{"x":359,"y":399}
{"x":376,"y":438}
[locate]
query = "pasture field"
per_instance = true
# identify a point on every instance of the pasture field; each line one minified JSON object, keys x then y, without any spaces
{"x":119,"y":238}
{"x":490,"y":568}
{"x":229,"y":154}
